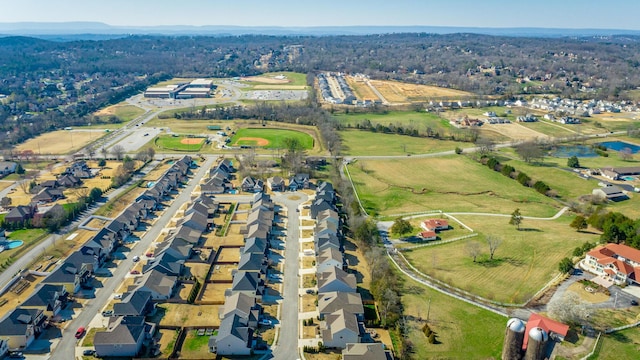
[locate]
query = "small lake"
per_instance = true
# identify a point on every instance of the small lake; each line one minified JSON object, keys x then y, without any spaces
{"x":581,"y":151}
{"x":620,"y":145}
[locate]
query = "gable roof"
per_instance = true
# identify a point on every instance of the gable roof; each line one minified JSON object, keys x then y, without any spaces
{"x":333,"y":301}
{"x":252,"y":262}
{"x":133,"y":303}
{"x":155,"y":281}
{"x":125,"y":330}
{"x":239,"y":303}
{"x":18,"y":320}
{"x":546,"y":324}
{"x":236,"y":327}
{"x":337,"y":274}
{"x":45,"y":295}
{"x":363,"y":351}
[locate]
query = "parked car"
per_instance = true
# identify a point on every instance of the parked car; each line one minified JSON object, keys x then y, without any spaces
{"x":265,"y":322}
{"x":634,"y":303}
{"x":135,"y":272}
{"x":16,"y":355}
{"x":80,"y":332}
{"x":311,"y":291}
{"x":89,"y":352}
{"x":149,"y":255}
{"x":136,"y":258}
{"x":107,"y":313}
{"x":117,"y":296}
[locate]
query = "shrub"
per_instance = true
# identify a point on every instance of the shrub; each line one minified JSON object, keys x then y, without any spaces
{"x":507,"y":170}
{"x":523,"y":179}
{"x":492,"y":163}
{"x":541,"y":187}
{"x":458,"y":150}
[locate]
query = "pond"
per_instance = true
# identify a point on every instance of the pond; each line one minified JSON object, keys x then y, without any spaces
{"x":620,"y":145}
{"x":581,"y":151}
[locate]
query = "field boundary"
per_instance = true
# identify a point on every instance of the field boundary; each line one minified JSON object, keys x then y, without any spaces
{"x":596,"y":348}
{"x":441,"y":242}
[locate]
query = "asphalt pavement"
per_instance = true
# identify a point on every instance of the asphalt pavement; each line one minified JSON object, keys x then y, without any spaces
{"x":287,"y":345}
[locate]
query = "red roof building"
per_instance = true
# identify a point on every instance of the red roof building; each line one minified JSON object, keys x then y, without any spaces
{"x":435,"y":225}
{"x":428,"y":235}
{"x":549,"y":326}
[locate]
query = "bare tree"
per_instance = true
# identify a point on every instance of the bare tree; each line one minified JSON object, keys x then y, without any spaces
{"x":118,"y":151}
{"x":530,"y":150}
{"x":473,"y":249}
{"x":493,"y":242}
{"x":569,"y":308}
{"x":485,"y":145}
{"x":104,"y":152}
{"x":626,"y":154}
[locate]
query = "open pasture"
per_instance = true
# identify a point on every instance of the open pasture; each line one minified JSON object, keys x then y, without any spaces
{"x":523,"y":263}
{"x":359,"y":142}
{"x":453,"y":184}
{"x":60,"y":142}
{"x":398,"y":92}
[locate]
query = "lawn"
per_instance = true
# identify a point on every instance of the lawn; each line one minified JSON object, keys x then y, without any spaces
{"x":622,"y":345}
{"x":195,"y":346}
{"x":271,"y":138}
{"x":453,"y":184}
{"x":91,"y":334}
{"x":524,"y":262}
{"x":179,"y":143}
{"x":60,"y":142}
{"x":30,"y":237}
{"x":360,"y":142}
{"x":407,"y":119}
{"x":194,"y":315}
{"x":463,"y":331}
{"x":291,"y":79}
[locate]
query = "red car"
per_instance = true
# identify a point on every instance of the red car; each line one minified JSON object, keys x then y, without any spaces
{"x":149,"y":254}
{"x":80,"y":332}
{"x":135,"y":272}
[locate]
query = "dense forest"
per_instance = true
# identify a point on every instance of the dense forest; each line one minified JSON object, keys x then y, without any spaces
{"x":50,"y":85}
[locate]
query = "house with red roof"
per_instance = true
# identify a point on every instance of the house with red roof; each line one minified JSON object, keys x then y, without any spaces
{"x":555,"y":329}
{"x":435,"y":225}
{"x":428,"y":235}
{"x":616,"y":262}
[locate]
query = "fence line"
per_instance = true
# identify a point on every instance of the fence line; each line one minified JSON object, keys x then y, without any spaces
{"x":609,"y":331}
{"x":595,"y":348}
{"x":432,"y":243}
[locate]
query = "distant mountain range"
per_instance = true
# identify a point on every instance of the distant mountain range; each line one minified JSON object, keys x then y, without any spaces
{"x":97,"y":30}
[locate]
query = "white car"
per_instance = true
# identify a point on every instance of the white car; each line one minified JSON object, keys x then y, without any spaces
{"x":117,"y":296}
{"x":136,"y":258}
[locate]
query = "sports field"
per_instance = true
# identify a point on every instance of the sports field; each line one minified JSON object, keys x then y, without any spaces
{"x":398,"y":92}
{"x":282,"y":78}
{"x":270,"y":138}
{"x":524,"y":262}
{"x":179,"y":143}
{"x":60,"y":142}
{"x":452,"y":183}
{"x":124,"y":111}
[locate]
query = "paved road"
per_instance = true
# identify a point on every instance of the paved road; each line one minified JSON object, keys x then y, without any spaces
{"x":287,"y":347}
{"x":24,"y":260}
{"x":66,"y":347}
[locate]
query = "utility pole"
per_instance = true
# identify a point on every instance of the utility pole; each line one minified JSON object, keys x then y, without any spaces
{"x":429,"y":309}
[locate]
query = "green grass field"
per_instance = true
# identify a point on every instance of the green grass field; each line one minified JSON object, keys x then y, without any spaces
{"x":463,"y":330}
{"x":453,"y":184}
{"x":622,"y":345}
{"x":524,"y":262}
{"x":170,"y":142}
{"x":551,"y":129}
{"x":419,"y":120}
{"x":295,"y":79}
{"x":359,"y":142}
{"x":275,"y":137}
{"x":195,"y":127}
{"x":30,"y":237}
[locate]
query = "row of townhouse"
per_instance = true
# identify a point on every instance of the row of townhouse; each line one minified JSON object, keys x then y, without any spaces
{"x":339,"y":304}
{"x":219,"y":180}
{"x":242,"y":311}
{"x":23,"y":324}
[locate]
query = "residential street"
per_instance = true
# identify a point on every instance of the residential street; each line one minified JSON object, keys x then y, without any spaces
{"x":66,"y":347}
{"x":287,"y":344}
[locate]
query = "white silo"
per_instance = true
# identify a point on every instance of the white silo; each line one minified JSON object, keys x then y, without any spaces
{"x":513,"y":338}
{"x":537,"y":344}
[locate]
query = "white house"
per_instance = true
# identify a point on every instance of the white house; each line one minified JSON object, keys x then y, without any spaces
{"x":619,"y":263}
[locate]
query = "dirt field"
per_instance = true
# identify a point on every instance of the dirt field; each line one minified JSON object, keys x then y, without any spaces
{"x":215,"y":292}
{"x":192,"y":141}
{"x":266,"y":80}
{"x":361,"y":89}
{"x":257,"y":141}
{"x":195,"y":315}
{"x":60,"y":142}
{"x":397,"y":92}
{"x":229,"y":255}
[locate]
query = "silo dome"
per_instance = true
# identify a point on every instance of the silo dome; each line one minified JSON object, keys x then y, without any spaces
{"x":515,"y":325}
{"x":538,"y":334}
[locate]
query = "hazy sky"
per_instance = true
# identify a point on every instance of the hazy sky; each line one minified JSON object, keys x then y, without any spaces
{"x":610,"y":14}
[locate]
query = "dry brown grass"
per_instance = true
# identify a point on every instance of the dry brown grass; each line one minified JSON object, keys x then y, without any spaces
{"x":592,"y":297}
{"x":166,"y":341}
{"x":229,"y":255}
{"x":310,"y":332}
{"x":307,"y":223}
{"x":199,"y":270}
{"x":308,"y":280}
{"x":191,"y":315}
{"x":308,"y":262}
{"x":13,"y":299}
{"x":60,"y":142}
{"x":308,"y":245}
{"x":397,"y":92}
{"x":184,"y":290}
{"x":215,"y":292}
{"x":5,"y":184}
{"x":222,"y":272}
{"x":156,"y":173}
{"x":361,"y":89}
{"x":308,"y":302}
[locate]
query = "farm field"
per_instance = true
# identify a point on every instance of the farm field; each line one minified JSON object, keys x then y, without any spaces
{"x":463,"y":331}
{"x":551,"y":129}
{"x":418,"y":120}
{"x":270,"y":138}
{"x":524,"y":262}
{"x":179,"y":143}
{"x":60,"y":142}
{"x":124,"y":111}
{"x":453,"y":184}
{"x":398,"y":92}
{"x":622,"y":345}
{"x":360,"y":142}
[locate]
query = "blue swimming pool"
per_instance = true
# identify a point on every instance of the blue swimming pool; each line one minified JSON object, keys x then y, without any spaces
{"x":620,"y":145}
{"x":12,"y":244}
